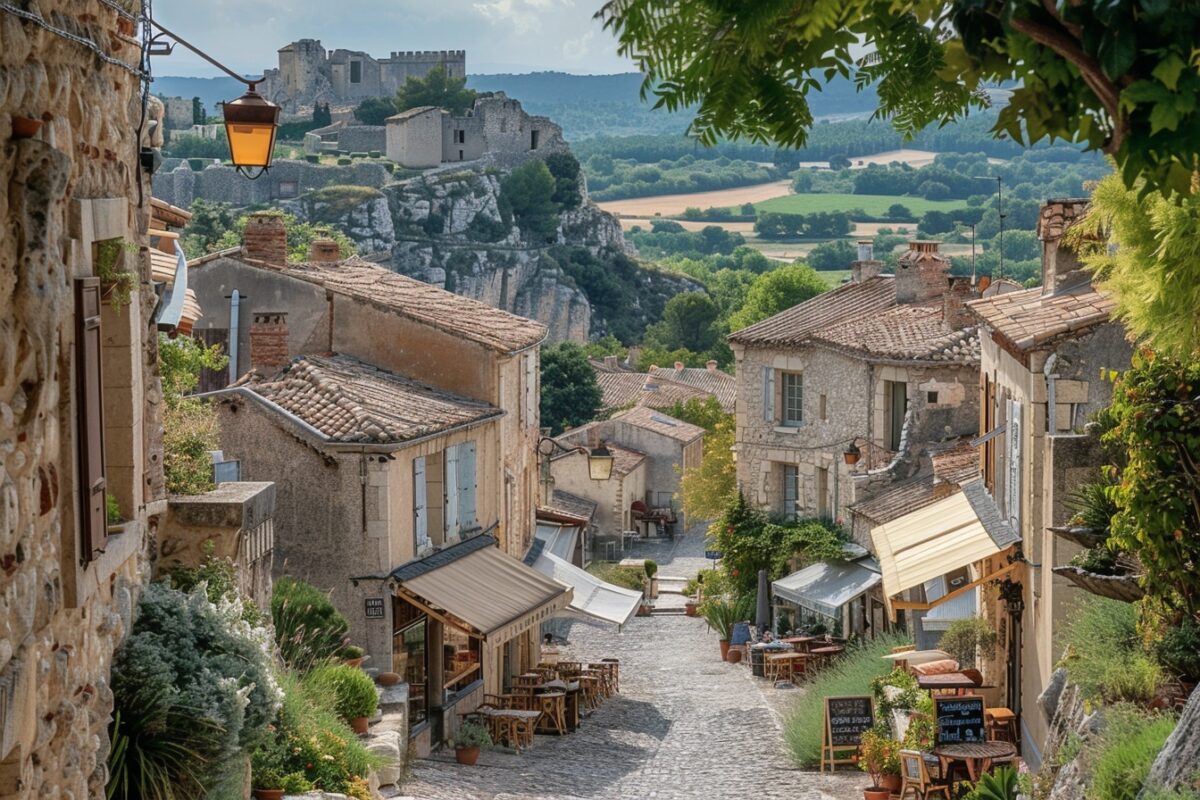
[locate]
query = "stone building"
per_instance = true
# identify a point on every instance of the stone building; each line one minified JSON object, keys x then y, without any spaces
{"x":495,"y":128}
{"x":308,"y":73}
{"x":661,"y":387}
{"x":79,"y":390}
{"x":180,"y":112}
{"x":1044,"y":350}
{"x":886,"y":363}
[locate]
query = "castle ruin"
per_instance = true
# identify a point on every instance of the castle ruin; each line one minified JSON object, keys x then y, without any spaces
{"x":308,"y":73}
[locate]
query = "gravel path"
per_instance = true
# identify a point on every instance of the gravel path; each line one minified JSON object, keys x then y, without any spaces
{"x":685,"y":724}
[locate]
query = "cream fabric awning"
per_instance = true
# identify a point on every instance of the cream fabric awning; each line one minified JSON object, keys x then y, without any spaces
{"x":826,"y":586}
{"x":592,"y":597}
{"x":930,"y":542}
{"x":494,"y":594}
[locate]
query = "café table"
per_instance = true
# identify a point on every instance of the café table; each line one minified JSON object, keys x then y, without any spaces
{"x":553,"y":705}
{"x":978,"y":756}
{"x":799,"y":643}
{"x":955,"y":682}
{"x":784,"y":665}
{"x":574,"y":697}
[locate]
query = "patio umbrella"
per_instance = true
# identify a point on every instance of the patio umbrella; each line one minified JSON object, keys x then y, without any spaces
{"x":763,"y":617}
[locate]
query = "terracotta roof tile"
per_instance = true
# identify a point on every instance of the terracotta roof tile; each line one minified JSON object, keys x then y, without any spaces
{"x":350,"y":401}
{"x":904,"y":332}
{"x":715,"y":382}
{"x":956,"y":464}
{"x":470,"y":319}
{"x":1030,"y":317}
{"x":625,"y":459}
{"x":661,"y":424}
{"x":902,"y":498}
{"x":625,"y":389}
{"x":798,"y":323}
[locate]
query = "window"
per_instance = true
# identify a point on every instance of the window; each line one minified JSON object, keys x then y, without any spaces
{"x":931,"y":398}
{"x":356,"y":72}
{"x":420,"y":513}
{"x":410,"y":656}
{"x":792,"y":396}
{"x":89,"y":410}
{"x":822,"y":407}
{"x":533,"y":140}
{"x":288,"y":189}
{"x":460,"y":155}
{"x":460,"y":654}
{"x":791,"y":490}
{"x":460,"y":137}
{"x":460,"y":490}
{"x":895,"y":395}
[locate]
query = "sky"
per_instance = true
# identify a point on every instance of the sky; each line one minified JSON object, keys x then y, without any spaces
{"x":498,"y":35}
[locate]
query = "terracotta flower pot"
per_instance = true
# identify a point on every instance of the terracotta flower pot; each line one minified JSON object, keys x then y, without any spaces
{"x":355,"y":662}
{"x":466,"y":755}
{"x":891,"y":782}
{"x":359,"y":725}
{"x":734,"y":656}
{"x":724,"y":645}
{"x":689,"y":608}
{"x":268,"y":794}
{"x":25,"y":127}
{"x":876,"y":793}
{"x":388,"y":678}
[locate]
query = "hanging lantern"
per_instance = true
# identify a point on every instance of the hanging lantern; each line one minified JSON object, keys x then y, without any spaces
{"x":251,"y":122}
{"x":851,"y":454}
{"x":600,"y":463}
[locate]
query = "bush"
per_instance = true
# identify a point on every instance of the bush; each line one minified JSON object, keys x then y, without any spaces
{"x":312,"y":158}
{"x":1178,"y":649}
{"x":472,"y":734}
{"x":353,"y":692}
{"x":375,"y":154}
{"x":650,"y":568}
{"x":189,"y":425}
{"x":1101,"y":639}
{"x":193,"y":694}
{"x":850,"y":675}
{"x":295,"y":783}
{"x":1128,"y":747}
{"x":628,"y":577}
{"x":965,"y":638}
{"x":344,"y":162}
{"x":1133,"y":679}
{"x":308,"y":629}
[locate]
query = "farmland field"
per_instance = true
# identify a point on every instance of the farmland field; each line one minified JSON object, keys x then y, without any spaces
{"x":875,"y":205}
{"x":669,"y":204}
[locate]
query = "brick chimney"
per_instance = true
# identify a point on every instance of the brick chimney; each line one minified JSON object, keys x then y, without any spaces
{"x":955,"y":315}
{"x":265,"y":239}
{"x":678,"y":366}
{"x":268,"y":340}
{"x":866,"y":266}
{"x":610,"y":362}
{"x":711,"y":365}
{"x":324,"y":251}
{"x":1060,"y":265}
{"x":921,"y":273}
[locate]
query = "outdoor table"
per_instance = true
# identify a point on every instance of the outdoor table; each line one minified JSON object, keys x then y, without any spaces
{"x":799,"y":643}
{"x":553,"y":705}
{"x":786,"y":662}
{"x":978,"y":756}
{"x":589,"y":685}
{"x":513,"y":725}
{"x":827,"y":651}
{"x":947,"y":681}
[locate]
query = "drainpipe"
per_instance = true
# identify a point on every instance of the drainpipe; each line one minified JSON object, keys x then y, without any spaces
{"x":1051,"y":391}
{"x":235,"y":301}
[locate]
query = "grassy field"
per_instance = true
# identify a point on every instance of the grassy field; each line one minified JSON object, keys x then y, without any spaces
{"x":833,"y":277}
{"x":873,"y":204}
{"x":668,"y":204}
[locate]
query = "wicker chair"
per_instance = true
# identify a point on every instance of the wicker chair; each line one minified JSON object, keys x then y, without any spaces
{"x":917,"y":779}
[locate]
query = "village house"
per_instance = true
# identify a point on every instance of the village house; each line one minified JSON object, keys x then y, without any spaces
{"x":839,"y":396}
{"x":661,"y":388}
{"x":1044,"y":353}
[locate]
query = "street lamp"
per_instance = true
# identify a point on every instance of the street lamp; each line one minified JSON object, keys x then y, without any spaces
{"x":251,"y":121}
{"x":600,"y":458}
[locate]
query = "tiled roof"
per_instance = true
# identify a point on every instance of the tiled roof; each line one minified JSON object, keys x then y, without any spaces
{"x":624,"y":389}
{"x":720,"y":385}
{"x":903,"y":498}
{"x":957,"y":464}
{"x":1029,"y":318}
{"x":461,"y":316}
{"x":350,"y":401}
{"x":413,"y":112}
{"x":573,"y":504}
{"x":796,"y":324}
{"x":659,"y":423}
{"x":904,"y":332}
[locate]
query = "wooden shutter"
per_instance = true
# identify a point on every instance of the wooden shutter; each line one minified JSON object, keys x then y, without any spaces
{"x":768,"y":401}
{"x":1012,"y":490}
{"x":466,"y":485}
{"x":89,"y":412}
{"x":451,"y":490}
{"x":420,"y":514}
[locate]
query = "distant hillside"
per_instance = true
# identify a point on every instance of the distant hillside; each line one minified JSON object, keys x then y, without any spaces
{"x":210,"y":90}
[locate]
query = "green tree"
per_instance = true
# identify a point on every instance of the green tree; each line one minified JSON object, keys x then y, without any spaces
{"x":190,"y":428}
{"x":567,"y":185}
{"x":208,"y":225}
{"x":375,"y":110}
{"x":708,"y":488}
{"x":438,"y":89}
{"x":832,"y":255}
{"x":689,"y":321}
{"x":570,"y":394}
{"x":775,"y":291}
{"x":321,"y":116}
{"x":1114,"y":76}
{"x":703,"y":412}
{"x":529,"y":191}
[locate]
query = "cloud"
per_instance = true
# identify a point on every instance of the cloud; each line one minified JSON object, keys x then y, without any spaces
{"x":578,"y":49}
{"x":520,"y":13}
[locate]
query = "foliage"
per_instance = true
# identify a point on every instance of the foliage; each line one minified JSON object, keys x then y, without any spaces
{"x":849,"y":675}
{"x":267,"y":778}
{"x":295,"y":783}
{"x":472,"y":734}
{"x":628,"y":577}
{"x":438,"y":89}
{"x":185,"y":145}
{"x":616,"y":179}
{"x":1154,"y":420}
{"x":839,"y":254}
{"x":999,"y":784}
{"x":209,"y":223}
{"x":112,"y":510}
{"x":1093,"y":506}
{"x":218,"y":576}
{"x":965,"y":638}
{"x":1112,"y":76}
{"x":529,"y":192}
{"x":1178,"y":649}
{"x":703,"y":412}
{"x":329,"y":204}
{"x":192,"y":693}
{"x":667,"y":237}
{"x":300,"y":236}
{"x":352,"y":690}
{"x":817,"y":225}
{"x":689,"y":321}
{"x":375,"y":110}
{"x":1128,"y":746}
{"x":308,"y":629}
{"x":879,"y":756}
{"x":721,"y":612}
{"x":117,"y":279}
{"x":650,"y":568}
{"x":567,"y":182}
{"x":1103,"y":654}
{"x":776,"y":291}
{"x":570,"y":394}
{"x":189,"y":424}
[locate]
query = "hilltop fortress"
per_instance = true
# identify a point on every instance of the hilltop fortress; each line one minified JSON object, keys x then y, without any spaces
{"x":308,"y":73}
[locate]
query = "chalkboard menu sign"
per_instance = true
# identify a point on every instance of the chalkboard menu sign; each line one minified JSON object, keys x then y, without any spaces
{"x":960,"y":719}
{"x":846,"y":719}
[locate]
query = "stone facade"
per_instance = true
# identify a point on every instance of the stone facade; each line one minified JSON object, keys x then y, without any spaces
{"x":179,"y":113}
{"x":287,"y":179}
{"x":70,"y":584}
{"x":307,"y":73}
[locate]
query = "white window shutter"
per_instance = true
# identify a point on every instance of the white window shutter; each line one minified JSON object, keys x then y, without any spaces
{"x":768,"y":403}
{"x":420,"y":512}
{"x":451,"y":484}
{"x":466,"y":486}
{"x":1012,"y":493}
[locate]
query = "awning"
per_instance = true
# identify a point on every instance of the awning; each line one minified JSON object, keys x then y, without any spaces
{"x":475,"y":586}
{"x":826,"y":586}
{"x":559,"y":540}
{"x":950,"y":534}
{"x":963,"y":606}
{"x":592,"y":597}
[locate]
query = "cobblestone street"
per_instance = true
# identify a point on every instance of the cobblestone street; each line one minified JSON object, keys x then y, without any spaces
{"x":685,"y":724}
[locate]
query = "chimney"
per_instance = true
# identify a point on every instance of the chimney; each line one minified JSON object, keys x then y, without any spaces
{"x":711,"y":365}
{"x":265,"y":239}
{"x":1060,"y":265}
{"x":921,"y":273}
{"x":610,"y":362}
{"x":324,"y":251}
{"x":268,"y":340}
{"x":955,"y":315}
{"x":635,"y":353}
{"x":866,"y":266}
{"x":678,"y":366}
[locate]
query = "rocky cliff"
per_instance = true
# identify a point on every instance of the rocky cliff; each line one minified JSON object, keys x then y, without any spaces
{"x":453,"y":228}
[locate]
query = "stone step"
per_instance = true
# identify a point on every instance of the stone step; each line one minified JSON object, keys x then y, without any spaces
{"x":673,"y":610}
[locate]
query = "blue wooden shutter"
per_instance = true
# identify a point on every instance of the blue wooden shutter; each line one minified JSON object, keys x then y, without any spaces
{"x":466,"y":486}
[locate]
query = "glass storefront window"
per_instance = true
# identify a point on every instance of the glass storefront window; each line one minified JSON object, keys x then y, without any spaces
{"x":461,"y":654}
{"x":411,"y":658}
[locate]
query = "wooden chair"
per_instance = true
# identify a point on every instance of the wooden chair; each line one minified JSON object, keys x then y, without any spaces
{"x":616,"y":671}
{"x":1001,"y":724}
{"x":917,"y":779}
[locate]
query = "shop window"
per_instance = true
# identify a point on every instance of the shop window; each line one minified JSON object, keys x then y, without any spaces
{"x":461,"y":654}
{"x":410,"y":656}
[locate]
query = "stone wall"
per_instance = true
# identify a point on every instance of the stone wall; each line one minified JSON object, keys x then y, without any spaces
{"x":63,"y":611}
{"x":286,"y":179}
{"x":362,"y":138}
{"x":180,"y":114}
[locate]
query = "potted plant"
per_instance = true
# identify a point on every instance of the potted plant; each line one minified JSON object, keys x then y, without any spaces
{"x":646,"y":608}
{"x":25,"y":127}
{"x":112,"y":513}
{"x":721,"y":613}
{"x":353,"y":655}
{"x":355,"y":697}
{"x":877,"y":756}
{"x":117,"y":284}
{"x":689,"y":607}
{"x":468,"y":740}
{"x":268,"y":784}
{"x":296,"y":783}
{"x":651,"y":570}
